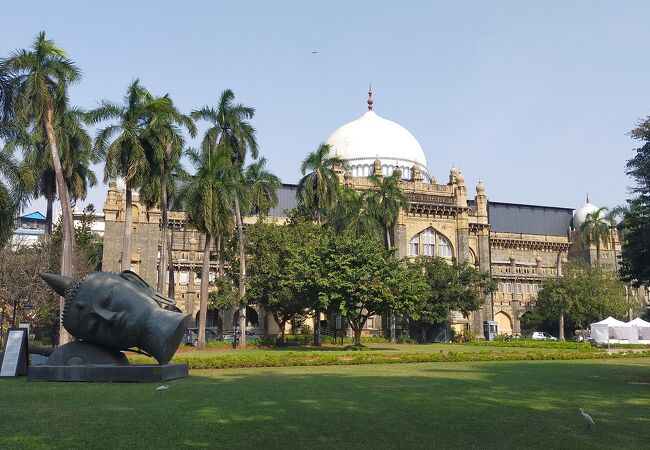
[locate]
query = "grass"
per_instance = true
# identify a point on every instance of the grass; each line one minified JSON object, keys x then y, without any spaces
{"x":532,"y":404}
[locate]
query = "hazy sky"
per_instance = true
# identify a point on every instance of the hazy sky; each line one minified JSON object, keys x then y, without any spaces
{"x":535,"y":98}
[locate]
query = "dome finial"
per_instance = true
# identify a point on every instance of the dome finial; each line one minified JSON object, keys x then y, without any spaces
{"x":370,"y":102}
{"x":587,"y":197}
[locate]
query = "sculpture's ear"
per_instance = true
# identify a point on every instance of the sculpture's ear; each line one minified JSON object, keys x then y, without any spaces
{"x":134,"y":278}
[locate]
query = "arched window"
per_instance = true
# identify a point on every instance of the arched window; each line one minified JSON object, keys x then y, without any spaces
{"x":428,"y":237}
{"x":430,"y":243}
{"x":414,"y":245}
{"x":444,"y":247}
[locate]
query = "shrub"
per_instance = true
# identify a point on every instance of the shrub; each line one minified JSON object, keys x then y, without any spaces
{"x":463,"y":336}
{"x":403,"y":339}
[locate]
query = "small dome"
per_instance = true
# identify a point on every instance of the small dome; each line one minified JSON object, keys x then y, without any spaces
{"x":581,"y":214}
{"x":460,"y":178}
{"x":371,"y":138}
{"x":480,"y":188}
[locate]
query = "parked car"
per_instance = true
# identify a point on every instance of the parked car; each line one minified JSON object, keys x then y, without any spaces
{"x":542,"y":336}
{"x":191,"y":336}
{"x":230,"y":337}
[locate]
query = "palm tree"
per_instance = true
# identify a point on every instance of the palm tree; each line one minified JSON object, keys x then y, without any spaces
{"x":40,"y":80}
{"x":165,"y":144}
{"x":318,"y":193}
{"x":595,"y":230}
{"x":208,"y":200}
{"x":231,"y":132}
{"x":385,"y":202}
{"x":123,"y":146}
{"x":350,"y":215}
{"x":261,"y":187}
{"x":318,"y":188}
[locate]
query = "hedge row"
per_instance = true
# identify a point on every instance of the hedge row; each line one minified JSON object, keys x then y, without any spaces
{"x":525,"y":343}
{"x":296,"y":339}
{"x":288,"y":359}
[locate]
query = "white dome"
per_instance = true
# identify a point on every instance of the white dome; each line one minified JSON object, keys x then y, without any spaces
{"x":372,"y":137}
{"x":581,"y":214}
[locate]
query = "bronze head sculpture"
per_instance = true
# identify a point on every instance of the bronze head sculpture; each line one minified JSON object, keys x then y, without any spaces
{"x":120,"y":311}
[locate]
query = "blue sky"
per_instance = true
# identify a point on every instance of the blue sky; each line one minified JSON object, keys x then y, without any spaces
{"x":535,"y":98}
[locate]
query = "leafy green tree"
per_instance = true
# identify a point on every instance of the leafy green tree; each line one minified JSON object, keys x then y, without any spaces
{"x":39,"y":89}
{"x":361,"y":279}
{"x":124,"y":147}
{"x":595,"y":230}
{"x":230,"y":131}
{"x":453,"y":287}
{"x":635,"y":254}
{"x":12,"y":187}
{"x":208,"y":200}
{"x":164,"y":148}
{"x":276,"y":278}
{"x":582,"y":295}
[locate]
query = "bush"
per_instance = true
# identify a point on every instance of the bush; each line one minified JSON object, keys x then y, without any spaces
{"x":463,"y":336}
{"x":403,"y":339}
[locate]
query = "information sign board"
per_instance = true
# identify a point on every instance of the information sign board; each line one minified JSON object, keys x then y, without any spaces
{"x":15,"y":358}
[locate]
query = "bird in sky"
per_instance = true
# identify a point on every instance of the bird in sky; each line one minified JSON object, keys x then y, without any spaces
{"x":587,"y":417}
{"x":314,"y":52}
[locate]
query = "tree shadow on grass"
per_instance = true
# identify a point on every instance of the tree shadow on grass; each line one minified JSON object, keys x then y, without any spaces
{"x":532,"y":404}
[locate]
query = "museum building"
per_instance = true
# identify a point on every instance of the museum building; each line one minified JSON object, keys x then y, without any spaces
{"x":519,"y":244}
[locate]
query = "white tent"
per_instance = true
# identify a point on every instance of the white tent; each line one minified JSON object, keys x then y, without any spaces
{"x":639,"y":322}
{"x":603,"y":330}
{"x":644,"y":329}
{"x":614,"y":331}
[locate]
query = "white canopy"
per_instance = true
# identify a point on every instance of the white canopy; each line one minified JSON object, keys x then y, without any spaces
{"x":610,"y":322}
{"x":612,"y":330}
{"x":639,"y":322}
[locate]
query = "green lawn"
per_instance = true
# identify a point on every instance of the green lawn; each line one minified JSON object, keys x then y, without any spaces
{"x":532,"y":404}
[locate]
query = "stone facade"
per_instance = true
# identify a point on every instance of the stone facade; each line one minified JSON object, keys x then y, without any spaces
{"x":442,"y":221}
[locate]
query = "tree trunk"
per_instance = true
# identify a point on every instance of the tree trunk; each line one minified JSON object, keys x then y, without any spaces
{"x":171,"y":288}
{"x":66,"y":217}
{"x":281,"y":324}
{"x":242,"y":277}
{"x":163,"y":234}
{"x":561,"y":330}
{"x":48,"y":222}
{"x":205,"y":275}
{"x":391,"y":317}
{"x":598,"y":253}
{"x":161,"y":262}
{"x":357,"y":334}
{"x":317,"y":327}
{"x":128,"y":229}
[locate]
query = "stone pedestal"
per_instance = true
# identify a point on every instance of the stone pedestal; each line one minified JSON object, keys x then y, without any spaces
{"x":145,"y":373}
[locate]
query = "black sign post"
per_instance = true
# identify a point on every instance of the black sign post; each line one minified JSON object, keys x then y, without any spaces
{"x":15,"y":358}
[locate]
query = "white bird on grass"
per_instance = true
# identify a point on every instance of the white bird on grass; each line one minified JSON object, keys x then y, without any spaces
{"x":587,"y":417}
{"x":162,"y":388}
